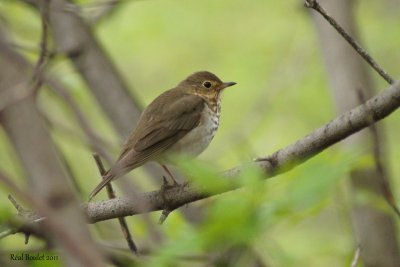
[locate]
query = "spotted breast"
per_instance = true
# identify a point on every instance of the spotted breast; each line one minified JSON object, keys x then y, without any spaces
{"x":197,"y":140}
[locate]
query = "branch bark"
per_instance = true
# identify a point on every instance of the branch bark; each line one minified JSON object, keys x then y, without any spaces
{"x":358,"y":118}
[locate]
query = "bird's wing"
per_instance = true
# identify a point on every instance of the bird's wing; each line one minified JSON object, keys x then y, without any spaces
{"x":163,"y":125}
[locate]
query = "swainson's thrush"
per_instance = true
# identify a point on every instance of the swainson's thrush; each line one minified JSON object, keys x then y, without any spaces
{"x":181,"y":120}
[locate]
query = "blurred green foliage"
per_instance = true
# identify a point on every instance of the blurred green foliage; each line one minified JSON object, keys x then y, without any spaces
{"x":269,"y":48}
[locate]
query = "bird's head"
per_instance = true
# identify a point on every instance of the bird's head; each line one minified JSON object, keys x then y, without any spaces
{"x":204,"y":84}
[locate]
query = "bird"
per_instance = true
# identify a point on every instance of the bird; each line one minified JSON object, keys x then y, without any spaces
{"x":182,"y":120}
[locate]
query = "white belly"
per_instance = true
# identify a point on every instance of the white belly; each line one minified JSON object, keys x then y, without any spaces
{"x":198,"y":139}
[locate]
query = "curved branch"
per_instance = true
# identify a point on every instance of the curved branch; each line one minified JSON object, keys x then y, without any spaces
{"x":375,"y":109}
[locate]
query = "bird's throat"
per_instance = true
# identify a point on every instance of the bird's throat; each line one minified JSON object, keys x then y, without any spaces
{"x":213,"y":101}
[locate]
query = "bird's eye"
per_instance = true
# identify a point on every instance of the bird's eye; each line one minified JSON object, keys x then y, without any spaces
{"x":207,"y":84}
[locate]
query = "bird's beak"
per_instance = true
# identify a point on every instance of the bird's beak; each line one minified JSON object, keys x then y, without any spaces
{"x":224,"y":85}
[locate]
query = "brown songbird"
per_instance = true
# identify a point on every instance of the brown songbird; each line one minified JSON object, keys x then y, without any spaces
{"x":181,"y":120}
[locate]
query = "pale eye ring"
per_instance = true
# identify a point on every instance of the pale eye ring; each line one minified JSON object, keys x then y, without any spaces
{"x":207,"y":84}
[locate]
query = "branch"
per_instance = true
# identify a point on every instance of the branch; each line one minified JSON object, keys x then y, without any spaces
{"x":40,"y":64}
{"x":98,"y":11}
{"x":111,"y":195}
{"x":360,"y":117}
{"x":356,"y":257}
{"x":361,"y":51}
{"x":28,"y":226}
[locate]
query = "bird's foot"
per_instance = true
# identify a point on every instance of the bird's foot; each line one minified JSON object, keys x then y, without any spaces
{"x":174,"y":182}
{"x":167,"y":185}
{"x":166,"y":206}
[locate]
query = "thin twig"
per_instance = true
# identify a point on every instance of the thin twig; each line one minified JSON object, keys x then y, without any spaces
{"x":25,"y":47}
{"x":149,"y":251}
{"x":361,"y":51}
{"x":111,"y":194}
{"x":40,"y":63}
{"x":26,"y":215}
{"x":17,"y":206}
{"x":20,"y":210}
{"x":356,"y":257}
{"x":96,"y":14}
{"x":379,"y":166}
{"x":95,"y":141}
{"x":102,"y":171}
{"x":6,"y":233}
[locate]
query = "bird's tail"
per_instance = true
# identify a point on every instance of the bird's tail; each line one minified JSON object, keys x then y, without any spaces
{"x":107,"y":178}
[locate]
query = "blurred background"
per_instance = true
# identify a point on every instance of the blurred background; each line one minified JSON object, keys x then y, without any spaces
{"x":280,"y":58}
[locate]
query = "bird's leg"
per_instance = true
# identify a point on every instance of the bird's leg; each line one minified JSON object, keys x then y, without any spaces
{"x":170,"y":175}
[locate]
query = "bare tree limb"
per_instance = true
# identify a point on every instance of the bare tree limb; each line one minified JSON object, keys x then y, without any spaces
{"x":361,"y":51}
